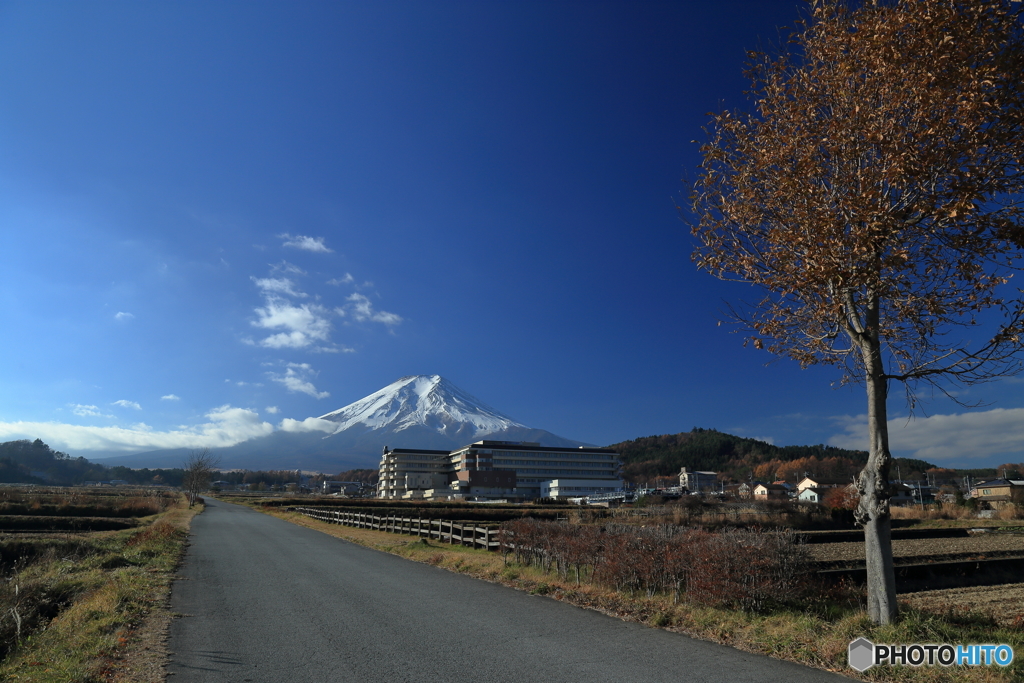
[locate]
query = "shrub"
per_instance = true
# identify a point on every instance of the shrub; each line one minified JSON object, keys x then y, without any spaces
{"x":748,"y":569}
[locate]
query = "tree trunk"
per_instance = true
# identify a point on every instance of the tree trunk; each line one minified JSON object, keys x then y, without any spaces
{"x":873,"y":483}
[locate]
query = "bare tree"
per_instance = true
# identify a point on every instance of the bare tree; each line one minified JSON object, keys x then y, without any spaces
{"x":874,"y":198}
{"x":199,"y":467}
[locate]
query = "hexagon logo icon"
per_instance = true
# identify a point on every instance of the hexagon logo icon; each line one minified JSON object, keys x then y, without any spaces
{"x":861,"y":654}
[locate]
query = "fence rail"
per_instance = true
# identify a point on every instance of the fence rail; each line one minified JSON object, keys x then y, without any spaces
{"x":443,"y":530}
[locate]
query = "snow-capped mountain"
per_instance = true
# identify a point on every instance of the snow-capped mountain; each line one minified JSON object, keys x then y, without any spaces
{"x":421,"y":411}
{"x":425,"y":411}
{"x":422,"y":401}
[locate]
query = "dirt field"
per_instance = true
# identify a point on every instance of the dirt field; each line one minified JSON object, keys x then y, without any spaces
{"x":1005,"y":604}
{"x":990,"y":545}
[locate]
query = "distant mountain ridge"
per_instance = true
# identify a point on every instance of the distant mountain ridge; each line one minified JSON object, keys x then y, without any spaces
{"x":417,"y":411}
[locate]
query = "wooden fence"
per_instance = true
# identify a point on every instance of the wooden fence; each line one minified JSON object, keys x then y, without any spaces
{"x":446,"y":531}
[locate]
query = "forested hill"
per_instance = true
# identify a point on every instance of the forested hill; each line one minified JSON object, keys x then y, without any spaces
{"x":33,"y":462}
{"x":738,"y":458}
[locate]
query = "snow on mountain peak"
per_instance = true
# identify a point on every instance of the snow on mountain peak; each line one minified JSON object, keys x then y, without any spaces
{"x":426,"y":400}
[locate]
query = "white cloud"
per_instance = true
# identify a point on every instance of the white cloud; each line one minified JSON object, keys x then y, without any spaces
{"x":278,"y":285}
{"x":86,"y":411}
{"x":303,"y":325}
{"x":127,"y":404}
{"x":344,"y":280}
{"x":227,"y":427}
{"x":273,"y":410}
{"x":296,"y":380}
{"x":936,"y":438}
{"x":170,"y":397}
{"x":304,"y":242}
{"x":123,"y":315}
{"x":362,"y":310}
{"x":310,"y":424}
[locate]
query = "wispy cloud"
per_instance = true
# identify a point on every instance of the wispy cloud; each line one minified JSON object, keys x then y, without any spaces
{"x":285,"y":267}
{"x":344,"y":280}
{"x":227,"y":426}
{"x":305,"y":242}
{"x":273,"y":410}
{"x":127,"y":404}
{"x":123,"y":315}
{"x":296,"y":380}
{"x":170,"y":397}
{"x":333,"y":349}
{"x":310,"y":424}
{"x":272,"y":285}
{"x":82,"y":410}
{"x":362,"y":309}
{"x":936,"y":438}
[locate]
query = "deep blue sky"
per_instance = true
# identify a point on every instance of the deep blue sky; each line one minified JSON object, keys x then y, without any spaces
{"x":216,"y":216}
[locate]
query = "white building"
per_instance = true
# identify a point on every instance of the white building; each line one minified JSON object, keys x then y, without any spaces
{"x":578,"y":488}
{"x":535,"y":464}
{"x":410,"y":469}
{"x":698,"y":481}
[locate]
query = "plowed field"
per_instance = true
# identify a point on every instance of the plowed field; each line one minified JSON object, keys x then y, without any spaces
{"x":990,"y":545}
{"x":1005,"y":604}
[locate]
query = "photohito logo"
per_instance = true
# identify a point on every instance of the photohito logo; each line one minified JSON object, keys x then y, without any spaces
{"x":863,"y":654}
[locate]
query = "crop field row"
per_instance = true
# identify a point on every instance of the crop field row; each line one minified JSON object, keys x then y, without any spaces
{"x":75,"y":510}
{"x":991,"y":545}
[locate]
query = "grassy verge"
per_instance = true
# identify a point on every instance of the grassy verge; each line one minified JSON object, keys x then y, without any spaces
{"x":816,"y":635}
{"x":92,"y":608}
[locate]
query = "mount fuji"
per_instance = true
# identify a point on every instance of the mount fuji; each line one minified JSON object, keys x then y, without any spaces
{"x":418,"y":411}
{"x":424,"y":411}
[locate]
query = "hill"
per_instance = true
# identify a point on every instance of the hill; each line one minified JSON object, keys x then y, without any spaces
{"x":739,"y":458}
{"x":34,"y":462}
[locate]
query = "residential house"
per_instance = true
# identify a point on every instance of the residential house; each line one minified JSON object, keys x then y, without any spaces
{"x":820,"y":483}
{"x":770,"y":492}
{"x":999,"y":492}
{"x":746,"y":490}
{"x":812,"y":494}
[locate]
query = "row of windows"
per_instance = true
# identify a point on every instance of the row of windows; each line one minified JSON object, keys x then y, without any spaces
{"x":557,"y":456}
{"x":519,"y":463}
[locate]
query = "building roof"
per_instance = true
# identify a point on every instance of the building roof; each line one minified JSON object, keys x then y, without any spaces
{"x":992,"y":483}
{"x":826,"y":481}
{"x":417,"y":451}
{"x":816,"y":489}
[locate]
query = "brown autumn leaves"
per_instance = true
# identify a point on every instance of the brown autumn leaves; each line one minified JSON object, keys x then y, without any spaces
{"x":883,"y":163}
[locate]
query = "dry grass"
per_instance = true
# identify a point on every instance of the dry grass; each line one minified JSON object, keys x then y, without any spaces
{"x":113,"y":616}
{"x":817,"y":636}
{"x":951,"y":511}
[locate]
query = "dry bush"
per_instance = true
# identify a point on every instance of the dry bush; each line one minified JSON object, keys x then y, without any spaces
{"x":1010,"y":512}
{"x":748,"y":569}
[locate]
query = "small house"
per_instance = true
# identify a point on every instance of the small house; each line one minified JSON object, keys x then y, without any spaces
{"x":770,"y":492}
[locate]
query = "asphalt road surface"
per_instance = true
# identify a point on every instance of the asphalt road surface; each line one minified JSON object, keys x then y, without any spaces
{"x":270,"y":602}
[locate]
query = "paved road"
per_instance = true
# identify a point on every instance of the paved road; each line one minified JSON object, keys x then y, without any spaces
{"x":271,"y":602}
